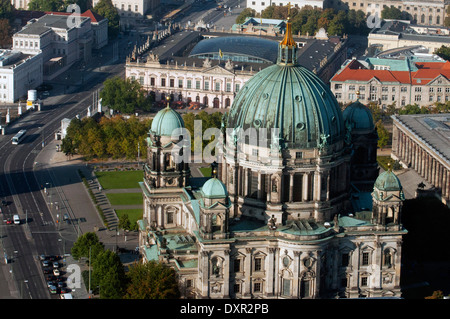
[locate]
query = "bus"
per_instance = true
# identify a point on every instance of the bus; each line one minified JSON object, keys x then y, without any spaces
{"x":19,"y":137}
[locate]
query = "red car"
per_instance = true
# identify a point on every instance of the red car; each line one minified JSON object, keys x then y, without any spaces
{"x":9,"y":221}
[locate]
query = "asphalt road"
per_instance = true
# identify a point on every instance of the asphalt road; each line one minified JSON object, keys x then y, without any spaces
{"x":38,"y":232}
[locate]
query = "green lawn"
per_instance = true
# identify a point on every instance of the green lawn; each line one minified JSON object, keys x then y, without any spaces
{"x":125,"y":198}
{"x":133,"y":214}
{"x":120,"y":179}
{"x":206,"y":171}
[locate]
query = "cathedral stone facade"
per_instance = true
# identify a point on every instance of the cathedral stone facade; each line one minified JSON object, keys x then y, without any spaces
{"x":294,"y":208}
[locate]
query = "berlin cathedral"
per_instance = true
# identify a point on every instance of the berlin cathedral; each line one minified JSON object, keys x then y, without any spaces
{"x":306,"y":215}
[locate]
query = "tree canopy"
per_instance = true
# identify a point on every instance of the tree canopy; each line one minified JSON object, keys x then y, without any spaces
{"x":86,"y":244}
{"x":108,"y":275}
{"x":110,"y":137}
{"x":125,"y":96}
{"x":443,"y":52}
{"x":152,"y":280}
{"x":391,"y":13}
{"x":309,"y":20}
{"x":106,"y":9}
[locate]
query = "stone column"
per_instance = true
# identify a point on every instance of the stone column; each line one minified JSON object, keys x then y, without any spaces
{"x":260,"y":191}
{"x":305,"y":187}
{"x":291,"y":187}
{"x":271,"y":271}
{"x":226,"y":273}
{"x":317,"y":185}
{"x":296,"y":271}
{"x":248,"y":271}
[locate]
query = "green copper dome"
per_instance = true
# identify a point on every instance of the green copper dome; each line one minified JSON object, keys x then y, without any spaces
{"x":214,"y":188}
{"x":291,"y":98}
{"x":166,"y":121}
{"x":359,"y":116}
{"x":388,"y":181}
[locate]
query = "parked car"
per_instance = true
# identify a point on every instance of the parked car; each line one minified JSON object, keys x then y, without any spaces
{"x":55,"y":264}
{"x":53,"y":290}
{"x":45,"y":263}
{"x":65,"y":290}
{"x":47,"y":271}
{"x":51,"y":283}
{"x":56,"y":272}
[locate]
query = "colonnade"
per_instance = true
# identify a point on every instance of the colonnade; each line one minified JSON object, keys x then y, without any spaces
{"x":416,"y":155}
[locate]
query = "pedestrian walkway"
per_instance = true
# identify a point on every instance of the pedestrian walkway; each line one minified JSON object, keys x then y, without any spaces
{"x":101,"y":201}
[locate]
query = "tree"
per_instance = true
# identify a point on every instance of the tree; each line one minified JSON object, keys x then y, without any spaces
{"x":267,"y":13}
{"x":391,"y":13}
{"x":247,"y":12}
{"x":124,"y":222}
{"x":383,"y":134}
{"x":337,"y":26}
{"x":443,"y":52}
{"x":6,"y":10}
{"x":413,"y":109}
{"x":125,"y":96}
{"x":83,"y":4}
{"x":5,"y":33}
{"x":87,"y":244}
{"x":151,"y":280}
{"x":437,"y":294}
{"x":108,"y":275}
{"x":46,"y":5}
{"x":106,"y":9}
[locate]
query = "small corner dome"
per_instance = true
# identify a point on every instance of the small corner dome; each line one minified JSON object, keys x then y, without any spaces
{"x":388,"y":181}
{"x":214,"y":188}
{"x":359,"y":116}
{"x":166,"y":121}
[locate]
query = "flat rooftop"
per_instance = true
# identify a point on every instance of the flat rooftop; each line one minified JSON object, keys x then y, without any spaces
{"x":47,"y":22}
{"x":431,"y":129}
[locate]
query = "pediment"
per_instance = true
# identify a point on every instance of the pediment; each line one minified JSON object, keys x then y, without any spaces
{"x":217,"y":70}
{"x":439,"y":80}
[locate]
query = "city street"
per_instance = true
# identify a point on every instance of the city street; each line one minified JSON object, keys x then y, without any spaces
{"x":24,"y":181}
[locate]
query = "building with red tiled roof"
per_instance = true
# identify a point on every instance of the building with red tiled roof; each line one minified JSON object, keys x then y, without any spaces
{"x":387,"y":81}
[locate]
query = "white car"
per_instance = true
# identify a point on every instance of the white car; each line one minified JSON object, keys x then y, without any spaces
{"x":56,"y":272}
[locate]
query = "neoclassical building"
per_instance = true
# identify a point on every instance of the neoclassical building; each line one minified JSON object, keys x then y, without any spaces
{"x":421,"y":142}
{"x":280,"y":216}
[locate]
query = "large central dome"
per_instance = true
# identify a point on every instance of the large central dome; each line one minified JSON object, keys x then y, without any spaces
{"x":291,"y":98}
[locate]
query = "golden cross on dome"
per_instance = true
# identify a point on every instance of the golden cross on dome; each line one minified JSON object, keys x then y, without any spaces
{"x":289,"y":5}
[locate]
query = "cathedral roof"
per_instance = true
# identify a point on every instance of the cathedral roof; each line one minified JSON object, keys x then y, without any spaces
{"x":359,"y":116}
{"x":388,"y":181}
{"x":291,"y":98}
{"x":166,"y":121}
{"x":214,"y":188}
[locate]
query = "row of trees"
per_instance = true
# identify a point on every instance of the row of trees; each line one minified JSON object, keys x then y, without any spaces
{"x":117,"y":137}
{"x":114,"y":137}
{"x":108,"y":278}
{"x":309,"y":20}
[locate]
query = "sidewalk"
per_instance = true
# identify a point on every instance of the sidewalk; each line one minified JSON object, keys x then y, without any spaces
{"x":80,"y":206}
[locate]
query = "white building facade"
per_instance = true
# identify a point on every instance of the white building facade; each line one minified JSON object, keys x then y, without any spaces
{"x":260,"y":5}
{"x":132,"y":12}
{"x":60,"y":42}
{"x":212,"y":86}
{"x":19,"y":73}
